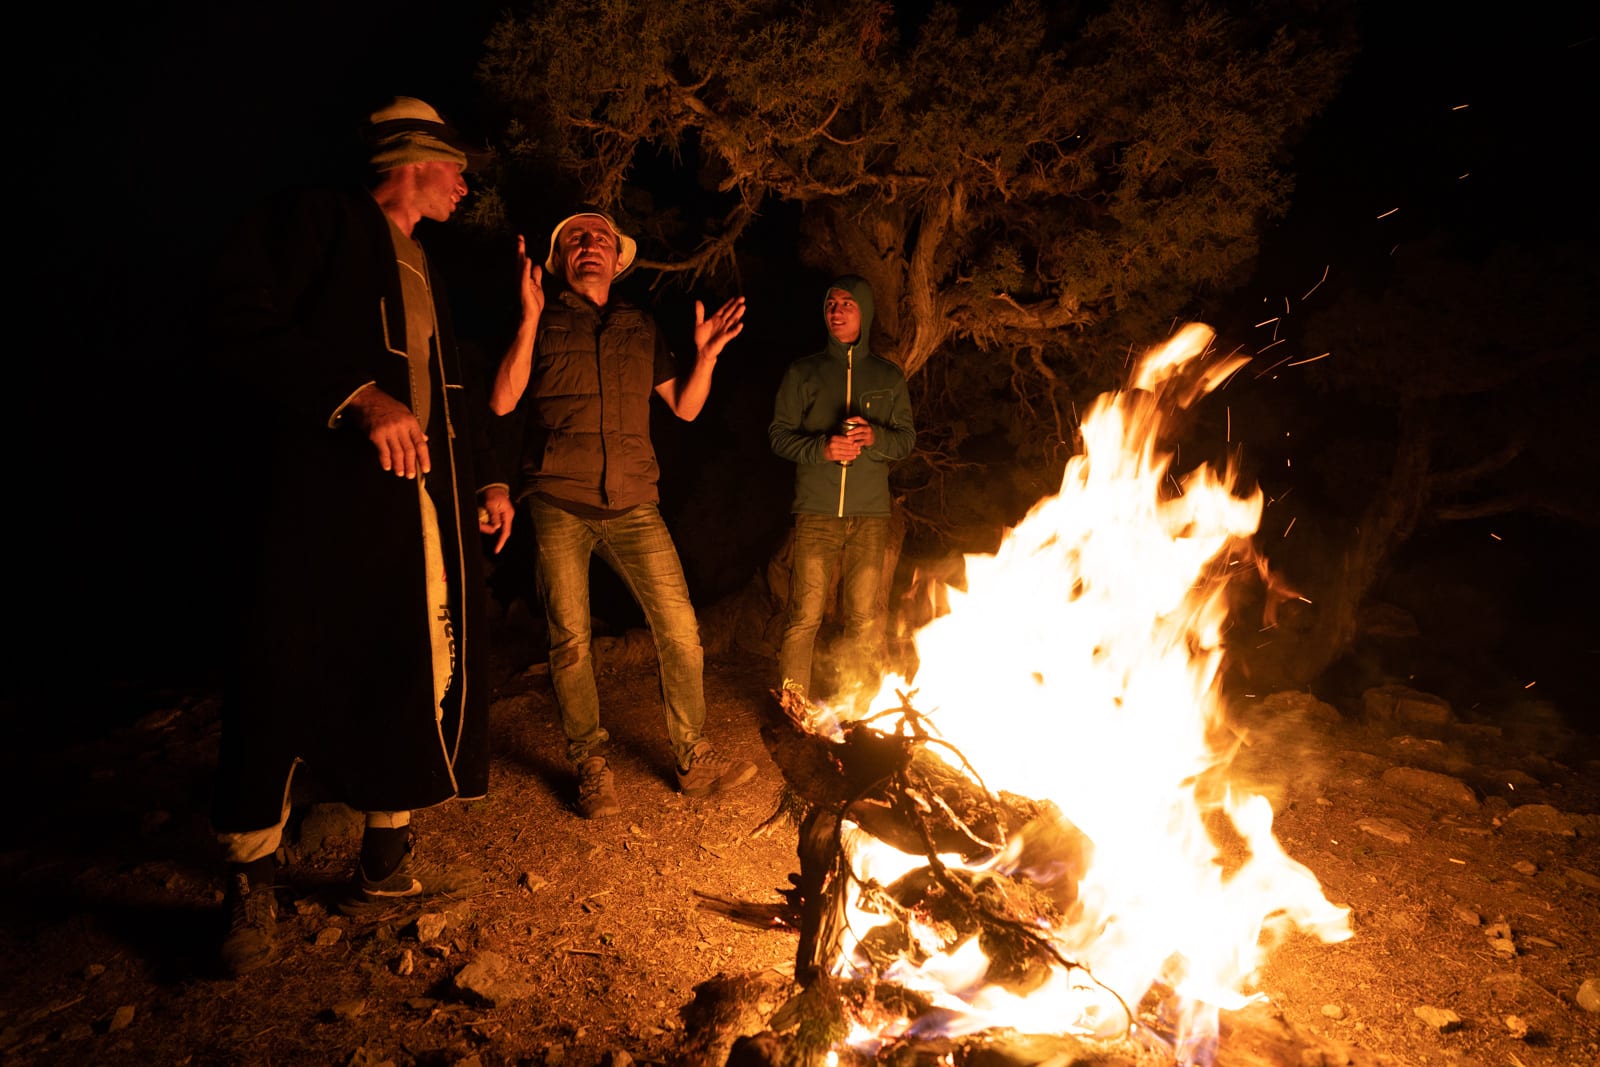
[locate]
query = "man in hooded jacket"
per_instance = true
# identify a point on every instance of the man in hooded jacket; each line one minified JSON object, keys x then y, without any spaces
{"x":841,"y":416}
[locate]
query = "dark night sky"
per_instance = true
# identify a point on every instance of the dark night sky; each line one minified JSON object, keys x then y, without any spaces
{"x":158,"y":131}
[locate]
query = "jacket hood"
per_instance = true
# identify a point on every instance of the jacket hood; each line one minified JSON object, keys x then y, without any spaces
{"x":861,"y":293}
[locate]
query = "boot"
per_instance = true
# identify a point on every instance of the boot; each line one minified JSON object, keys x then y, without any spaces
{"x":252,"y":913}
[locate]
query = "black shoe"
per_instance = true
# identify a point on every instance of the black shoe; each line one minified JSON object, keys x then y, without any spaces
{"x":251,"y":939}
{"x":597,"y":792}
{"x":709,"y":774}
{"x":411,"y":879}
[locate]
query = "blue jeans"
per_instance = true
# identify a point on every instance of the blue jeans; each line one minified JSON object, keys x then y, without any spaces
{"x":638,"y":547}
{"x":821,"y":541}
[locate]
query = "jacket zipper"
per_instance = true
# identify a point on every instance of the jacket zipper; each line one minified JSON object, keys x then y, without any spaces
{"x":849,"y":370}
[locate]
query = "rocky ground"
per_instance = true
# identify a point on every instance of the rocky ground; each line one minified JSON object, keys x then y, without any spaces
{"x":1468,"y":851}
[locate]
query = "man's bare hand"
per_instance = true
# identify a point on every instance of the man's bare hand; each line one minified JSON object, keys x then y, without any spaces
{"x":394,"y":432}
{"x":841,"y":448}
{"x":497,"y":515}
{"x":860,"y":432}
{"x":712,"y":335}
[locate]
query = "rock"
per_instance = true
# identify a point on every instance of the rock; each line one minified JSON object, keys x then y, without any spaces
{"x":1299,"y":707}
{"x":1441,"y":1019}
{"x":491,"y":979}
{"x":1583,"y":878}
{"x":93,"y":971}
{"x":1499,"y":935}
{"x":616,"y":1058}
{"x":1470,"y":917}
{"x":1589,"y":995}
{"x":1517,"y":779}
{"x":1407,"y":706}
{"x":1517,"y":1028}
{"x":365,"y":1057}
{"x":1540,"y":819}
{"x":1430,"y":785}
{"x":121,"y":1019}
{"x":430,"y":924}
{"x":530,"y":882}
{"x":1333,"y":1011}
{"x":328,"y":935}
{"x":1388,"y":829}
{"x":345,"y":1010}
{"x":329,"y":822}
{"x":405,"y":963}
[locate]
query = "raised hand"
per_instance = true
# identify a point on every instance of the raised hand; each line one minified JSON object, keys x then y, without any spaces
{"x":711,"y":335}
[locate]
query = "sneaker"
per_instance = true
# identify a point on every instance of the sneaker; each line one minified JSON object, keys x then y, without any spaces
{"x":597,"y":794}
{"x":412,"y":879}
{"x":252,"y":925}
{"x":708,"y":774}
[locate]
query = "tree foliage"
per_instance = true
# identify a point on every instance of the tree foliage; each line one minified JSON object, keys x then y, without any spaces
{"x":1049,"y":182}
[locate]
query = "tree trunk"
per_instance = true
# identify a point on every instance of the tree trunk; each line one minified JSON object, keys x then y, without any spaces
{"x":1388,"y":521}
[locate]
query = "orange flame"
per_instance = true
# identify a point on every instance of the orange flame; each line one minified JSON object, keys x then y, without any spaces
{"x":1081,"y":665}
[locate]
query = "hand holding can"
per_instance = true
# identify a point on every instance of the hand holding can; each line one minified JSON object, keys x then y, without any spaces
{"x":848,"y":431}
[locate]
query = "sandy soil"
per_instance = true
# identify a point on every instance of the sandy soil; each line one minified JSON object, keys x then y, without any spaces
{"x":1469,"y":854}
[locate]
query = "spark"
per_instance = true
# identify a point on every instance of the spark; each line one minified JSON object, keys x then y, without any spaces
{"x":1393,"y":250}
{"x":1452,"y":859}
{"x":1322,"y":279}
{"x":1289,"y":527}
{"x":1274,"y":344}
{"x":1391,"y":211}
{"x":1530,"y":685}
{"x":1229,"y":437}
{"x":1313,"y":359}
{"x":1286,"y":305}
{"x":1267,"y":322}
{"x":1497,"y":537}
{"x":1274,"y":367}
{"x":1306,"y":599}
{"x":1463,"y":174}
{"x":1461,"y":107}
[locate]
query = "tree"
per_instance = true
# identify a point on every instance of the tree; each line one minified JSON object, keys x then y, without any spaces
{"x":1049,"y":185}
{"x":1458,"y":390}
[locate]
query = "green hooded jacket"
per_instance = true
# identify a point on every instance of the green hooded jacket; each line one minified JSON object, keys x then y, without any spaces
{"x":817,"y":394}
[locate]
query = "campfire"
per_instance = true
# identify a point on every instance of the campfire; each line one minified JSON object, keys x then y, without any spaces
{"x":1037,"y":834}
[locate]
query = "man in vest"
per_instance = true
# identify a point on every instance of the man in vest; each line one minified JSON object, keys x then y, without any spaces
{"x":581,"y":374}
{"x":841,"y":416}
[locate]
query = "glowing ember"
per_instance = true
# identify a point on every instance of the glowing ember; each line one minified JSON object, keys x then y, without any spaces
{"x":1080,"y":666}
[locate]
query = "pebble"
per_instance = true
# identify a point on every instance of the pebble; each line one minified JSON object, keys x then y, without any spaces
{"x":1441,"y":1019}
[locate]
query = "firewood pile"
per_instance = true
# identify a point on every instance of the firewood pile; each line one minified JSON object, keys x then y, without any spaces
{"x":895,"y":779}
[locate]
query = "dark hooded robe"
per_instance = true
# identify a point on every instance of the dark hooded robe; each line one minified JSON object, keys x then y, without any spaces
{"x":334,"y":658}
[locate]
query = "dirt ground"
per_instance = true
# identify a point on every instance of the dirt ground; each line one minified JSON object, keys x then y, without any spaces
{"x":1468,"y":852}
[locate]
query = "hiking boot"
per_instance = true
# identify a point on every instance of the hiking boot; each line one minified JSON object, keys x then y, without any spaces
{"x":252,"y":925}
{"x":411,"y":879}
{"x":597,"y":794}
{"x":708,"y":774}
